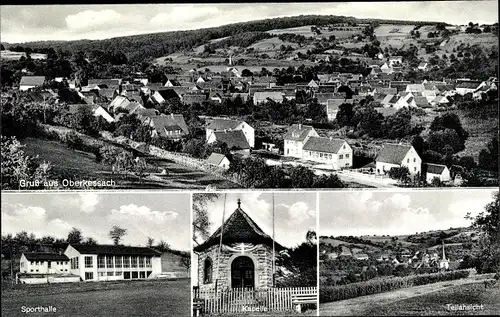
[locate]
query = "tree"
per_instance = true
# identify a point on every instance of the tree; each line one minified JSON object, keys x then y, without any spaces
{"x":90,"y":241}
{"x":116,"y":234}
{"x":201,"y":222}
{"x":150,"y":242}
{"x":74,"y":236}
{"x":400,"y":173}
{"x":488,"y":221}
{"x":488,"y":158}
{"x":162,"y":246}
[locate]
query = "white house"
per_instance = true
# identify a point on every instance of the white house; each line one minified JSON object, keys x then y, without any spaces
{"x":295,"y":138}
{"x":99,"y":111}
{"x":44,"y":263}
{"x":219,"y":160}
{"x":437,"y":170}
{"x":386,"y":69}
{"x":423,"y":66}
{"x":30,"y":82}
{"x":470,"y":86}
{"x":396,"y":155}
{"x":113,"y":262}
{"x":334,"y":152}
{"x":220,"y":124}
{"x":395,"y":60}
{"x":406,"y":101}
{"x":415,"y":89}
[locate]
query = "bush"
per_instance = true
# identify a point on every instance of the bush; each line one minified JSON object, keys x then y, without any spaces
{"x":335,"y":293}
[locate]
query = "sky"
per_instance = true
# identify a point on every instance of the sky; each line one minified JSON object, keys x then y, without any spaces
{"x":162,"y":216}
{"x":295,"y":213}
{"x":71,"y":22}
{"x":397,"y":213}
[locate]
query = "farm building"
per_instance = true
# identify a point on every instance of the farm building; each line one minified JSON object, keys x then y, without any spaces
{"x":244,"y":259}
{"x":397,"y":155}
{"x":113,"y":262}
{"x":333,"y":105}
{"x":436,"y":170}
{"x":44,"y":263}
{"x":171,"y":126}
{"x":30,"y":82}
{"x":295,"y":138}
{"x":265,"y":96}
{"x":220,"y":124}
{"x":219,"y":160}
{"x":334,"y":152}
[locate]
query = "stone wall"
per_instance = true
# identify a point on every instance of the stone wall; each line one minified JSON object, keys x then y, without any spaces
{"x":261,"y":257}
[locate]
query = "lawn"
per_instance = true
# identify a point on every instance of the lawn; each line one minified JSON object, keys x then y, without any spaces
{"x":125,"y":298}
{"x":436,"y":303}
{"x":306,"y":31}
{"x":393,"y":30}
{"x":71,"y":164}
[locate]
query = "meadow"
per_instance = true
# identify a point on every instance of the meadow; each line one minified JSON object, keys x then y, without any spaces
{"x":124,"y":298}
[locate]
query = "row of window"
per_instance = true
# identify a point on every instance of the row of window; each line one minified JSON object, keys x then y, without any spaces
{"x":326,"y":155}
{"x":41,"y":263}
{"x":408,"y":160}
{"x":62,"y":270}
{"x":125,"y":261}
{"x":74,"y":263}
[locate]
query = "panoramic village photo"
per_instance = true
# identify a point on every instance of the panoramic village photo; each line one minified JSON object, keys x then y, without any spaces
{"x":288,"y":95}
{"x":95,"y":254}
{"x":409,"y":253}
{"x":254,"y":254}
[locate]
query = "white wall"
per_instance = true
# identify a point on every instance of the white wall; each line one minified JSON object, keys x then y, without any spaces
{"x":413,"y":162}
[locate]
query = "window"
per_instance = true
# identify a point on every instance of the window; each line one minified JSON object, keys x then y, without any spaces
{"x":31,"y":270}
{"x":118,"y":261}
{"x":341,"y":156}
{"x":126,"y":262}
{"x":74,"y":264}
{"x":111,"y":273}
{"x":89,"y":275}
{"x":49,"y":265}
{"x":102,"y":273}
{"x":414,"y":169}
{"x":88,"y":261}
{"x":207,"y":271}
{"x":414,"y":160}
{"x":109,"y":262}
{"x":135,"y":274}
{"x":347,"y":156}
{"x":119,"y":273}
{"x":408,"y":161}
{"x":134,"y":261}
{"x":100,"y":262}
{"x":148,"y":261}
{"x":141,"y":261}
{"x":142,"y":274}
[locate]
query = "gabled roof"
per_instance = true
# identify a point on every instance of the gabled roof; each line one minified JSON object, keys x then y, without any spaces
{"x":323,"y":145}
{"x":393,"y":153}
{"x":32,"y":81}
{"x":238,"y":228}
{"x":435,"y":168}
{"x":43,"y":256}
{"x":415,"y":88}
{"x":215,"y":158}
{"x":160,"y":123}
{"x":110,"y":83}
{"x":269,"y":95}
{"x":223,"y":124}
{"x":119,"y":102}
{"x":233,"y":139}
{"x":298,"y":132}
{"x":421,"y":101}
{"x":468,"y":85}
{"x":114,"y":250}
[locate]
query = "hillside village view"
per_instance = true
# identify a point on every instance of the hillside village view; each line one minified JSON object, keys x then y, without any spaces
{"x":362,"y":274}
{"x":295,"y":102}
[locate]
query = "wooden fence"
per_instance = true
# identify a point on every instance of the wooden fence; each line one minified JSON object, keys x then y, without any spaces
{"x":239,"y":300}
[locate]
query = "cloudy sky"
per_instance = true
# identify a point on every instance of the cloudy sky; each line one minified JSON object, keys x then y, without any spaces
{"x":158,"y":215}
{"x":70,"y":22}
{"x":403,"y":212}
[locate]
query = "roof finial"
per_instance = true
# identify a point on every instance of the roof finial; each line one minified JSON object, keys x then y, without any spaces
{"x":239,"y":203}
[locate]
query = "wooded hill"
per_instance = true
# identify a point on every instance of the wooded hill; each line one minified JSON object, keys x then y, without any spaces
{"x":146,"y":47}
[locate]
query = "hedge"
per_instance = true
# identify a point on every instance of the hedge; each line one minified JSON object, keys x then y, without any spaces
{"x":335,"y":293}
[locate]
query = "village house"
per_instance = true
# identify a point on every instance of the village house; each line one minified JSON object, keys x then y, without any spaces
{"x":237,"y":255}
{"x":468,"y":86}
{"x":221,"y":124}
{"x":171,"y":126}
{"x":44,"y":263}
{"x":265,"y":96}
{"x":390,"y":101}
{"x":333,"y":106}
{"x":295,"y":138}
{"x":395,"y":60}
{"x":328,"y":151}
{"x":30,"y":82}
{"x":397,"y":155}
{"x":99,"y":111}
{"x":438,"y":171}
{"x":406,"y":101}
{"x":192,"y":98}
{"x":234,"y":139}
{"x":219,"y":160}
{"x":416,"y":89}
{"x":113,"y":262}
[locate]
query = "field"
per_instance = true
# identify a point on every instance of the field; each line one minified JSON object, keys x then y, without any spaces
{"x":393,"y":30}
{"x":487,"y":40}
{"x":81,"y":165}
{"x":428,"y":299}
{"x":125,"y":298}
{"x":306,"y":31}
{"x":9,"y":55}
{"x":272,"y":44}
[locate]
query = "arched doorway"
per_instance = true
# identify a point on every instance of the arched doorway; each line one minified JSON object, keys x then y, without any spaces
{"x":242,"y":273}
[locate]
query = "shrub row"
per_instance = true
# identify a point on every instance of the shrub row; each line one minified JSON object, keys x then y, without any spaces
{"x":335,"y":293}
